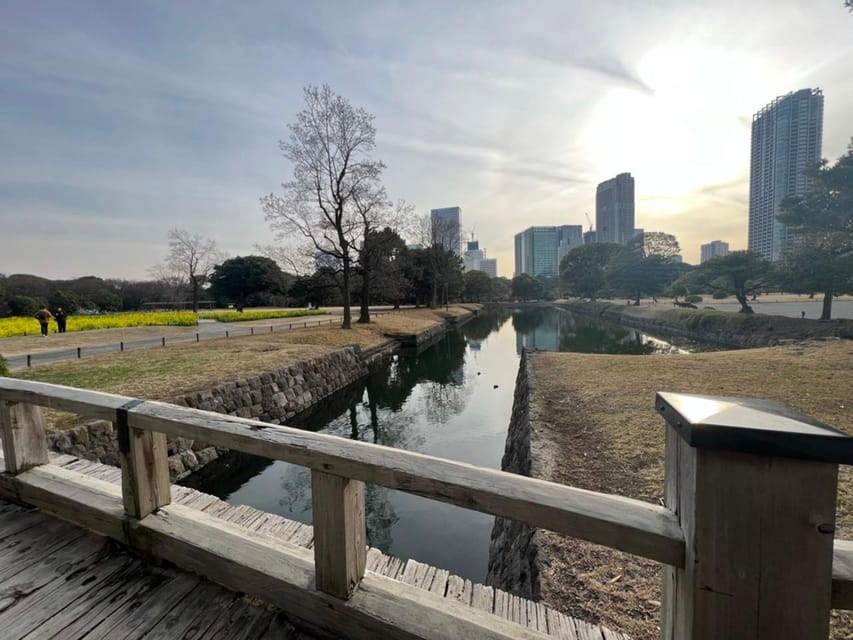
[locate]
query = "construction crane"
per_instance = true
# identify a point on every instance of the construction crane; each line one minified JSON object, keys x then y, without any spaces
{"x":588,"y":220}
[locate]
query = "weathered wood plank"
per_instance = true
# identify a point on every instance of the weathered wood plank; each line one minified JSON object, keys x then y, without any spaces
{"x":138,"y":614}
{"x":99,"y":605}
{"x":283,"y":574}
{"x":194,"y":616}
{"x":631,"y":525}
{"x":483,"y":598}
{"x":145,"y":469}
{"x":24,"y":438}
{"x":59,"y":602}
{"x":340,"y":547}
{"x":738,"y":585}
{"x":95,"y":404}
{"x":85,"y":501}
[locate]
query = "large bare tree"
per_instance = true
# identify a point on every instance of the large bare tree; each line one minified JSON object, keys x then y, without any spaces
{"x":330,"y":146}
{"x":190,"y":262}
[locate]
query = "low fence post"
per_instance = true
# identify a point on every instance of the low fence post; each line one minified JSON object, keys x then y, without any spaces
{"x":340,"y":539}
{"x":754,"y":486}
{"x":24,"y":436}
{"x":144,"y":467}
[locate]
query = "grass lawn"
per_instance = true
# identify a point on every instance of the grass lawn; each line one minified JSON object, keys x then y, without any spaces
{"x":163,"y":373}
{"x":596,"y":428}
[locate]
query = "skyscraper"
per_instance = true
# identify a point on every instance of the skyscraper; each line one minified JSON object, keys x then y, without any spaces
{"x":490,"y":266}
{"x":713,"y":249}
{"x":614,"y":210}
{"x":786,"y":137}
{"x":446,"y":228}
{"x":538,"y":250}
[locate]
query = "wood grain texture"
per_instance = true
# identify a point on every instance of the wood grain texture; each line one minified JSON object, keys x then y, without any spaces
{"x":340,"y":537}
{"x":757,"y":565}
{"x":145,"y":473}
{"x":622,"y":523}
{"x":24,"y":437}
{"x":630,"y":525}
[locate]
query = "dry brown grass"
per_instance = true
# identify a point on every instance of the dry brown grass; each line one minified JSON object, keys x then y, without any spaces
{"x":595,"y":428}
{"x":163,"y":373}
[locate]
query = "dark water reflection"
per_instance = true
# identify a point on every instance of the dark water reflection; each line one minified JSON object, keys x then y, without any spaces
{"x":453,"y":400}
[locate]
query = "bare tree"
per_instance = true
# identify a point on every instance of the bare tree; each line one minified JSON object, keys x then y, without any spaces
{"x":329,"y":145}
{"x":438,"y":236}
{"x":190,"y":262}
{"x":376,"y":212}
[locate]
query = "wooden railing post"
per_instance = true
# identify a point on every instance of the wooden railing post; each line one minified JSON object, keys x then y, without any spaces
{"x":144,"y":467}
{"x":24,"y":437}
{"x":340,"y":545}
{"x":754,"y":487}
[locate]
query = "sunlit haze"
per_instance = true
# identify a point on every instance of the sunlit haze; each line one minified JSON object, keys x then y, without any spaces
{"x":119,"y":121}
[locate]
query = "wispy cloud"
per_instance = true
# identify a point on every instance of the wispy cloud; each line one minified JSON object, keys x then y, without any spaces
{"x":119,"y":122}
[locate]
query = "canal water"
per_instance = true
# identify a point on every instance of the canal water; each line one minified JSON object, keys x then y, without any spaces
{"x":452,"y":400}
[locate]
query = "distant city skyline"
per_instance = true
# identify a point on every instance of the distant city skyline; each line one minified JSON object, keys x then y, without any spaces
{"x":120,"y":122}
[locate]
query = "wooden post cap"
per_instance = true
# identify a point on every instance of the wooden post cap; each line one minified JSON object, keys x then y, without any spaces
{"x":750,"y":425}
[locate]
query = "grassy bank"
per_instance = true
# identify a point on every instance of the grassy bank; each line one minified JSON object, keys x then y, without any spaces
{"x":161,"y":373}
{"x":595,"y":428}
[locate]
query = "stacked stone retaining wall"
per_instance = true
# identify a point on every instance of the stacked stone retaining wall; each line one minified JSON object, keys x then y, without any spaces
{"x":513,"y":552}
{"x":274,"y":396}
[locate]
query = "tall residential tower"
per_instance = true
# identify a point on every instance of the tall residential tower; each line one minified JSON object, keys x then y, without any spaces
{"x":614,"y":210}
{"x":786,"y":137}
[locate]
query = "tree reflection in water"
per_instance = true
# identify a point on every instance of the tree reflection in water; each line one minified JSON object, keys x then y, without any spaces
{"x":433,"y":402}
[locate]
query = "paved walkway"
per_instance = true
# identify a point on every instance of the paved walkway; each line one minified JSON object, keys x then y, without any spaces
{"x":23,"y":351}
{"x":58,"y":581}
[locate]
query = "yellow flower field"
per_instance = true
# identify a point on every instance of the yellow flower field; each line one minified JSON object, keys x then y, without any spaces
{"x":21,"y":326}
{"x":237,"y":316}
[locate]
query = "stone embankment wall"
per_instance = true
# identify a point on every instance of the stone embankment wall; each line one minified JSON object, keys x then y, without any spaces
{"x":728,"y":330}
{"x":274,"y":397}
{"x":513,"y":561}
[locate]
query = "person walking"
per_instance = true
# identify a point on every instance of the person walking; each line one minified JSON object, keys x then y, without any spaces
{"x":61,"y":316}
{"x":43,"y":316}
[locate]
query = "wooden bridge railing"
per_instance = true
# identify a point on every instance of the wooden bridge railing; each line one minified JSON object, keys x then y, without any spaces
{"x":746,"y":538}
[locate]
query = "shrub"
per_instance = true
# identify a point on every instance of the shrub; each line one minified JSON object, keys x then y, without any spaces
{"x":4,"y":370}
{"x":694,"y":299}
{"x":719,"y":295}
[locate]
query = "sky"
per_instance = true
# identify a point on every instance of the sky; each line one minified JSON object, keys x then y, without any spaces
{"x":120,"y":121}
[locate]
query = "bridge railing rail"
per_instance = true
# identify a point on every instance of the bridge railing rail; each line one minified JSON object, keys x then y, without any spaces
{"x":747,"y":529}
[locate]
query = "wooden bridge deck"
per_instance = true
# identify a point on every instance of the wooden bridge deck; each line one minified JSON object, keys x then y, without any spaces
{"x":439,"y":581}
{"x":58,"y":581}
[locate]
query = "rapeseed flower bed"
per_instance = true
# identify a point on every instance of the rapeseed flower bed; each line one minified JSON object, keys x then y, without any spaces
{"x":237,"y":316}
{"x":20,"y":326}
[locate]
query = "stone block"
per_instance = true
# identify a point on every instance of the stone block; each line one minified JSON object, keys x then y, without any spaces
{"x":188,"y":458}
{"x":206,"y":455}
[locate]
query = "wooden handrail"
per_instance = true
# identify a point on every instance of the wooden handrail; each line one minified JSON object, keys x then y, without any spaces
{"x":634,"y":526}
{"x":763,"y":499}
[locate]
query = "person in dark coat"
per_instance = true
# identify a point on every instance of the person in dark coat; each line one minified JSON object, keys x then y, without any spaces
{"x":43,"y":316}
{"x":61,"y":316}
